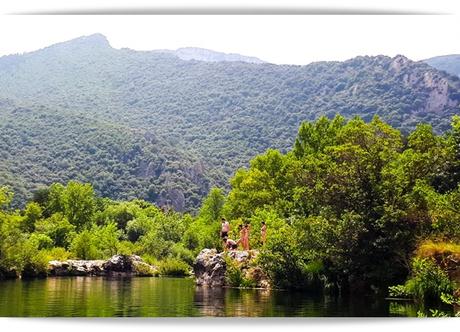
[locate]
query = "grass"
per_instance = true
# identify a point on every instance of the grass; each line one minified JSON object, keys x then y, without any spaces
{"x":430,"y":249}
{"x":173,"y":267}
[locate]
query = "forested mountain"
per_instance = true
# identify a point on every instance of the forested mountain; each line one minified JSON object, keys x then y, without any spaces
{"x":155,"y":126}
{"x":448,"y":63}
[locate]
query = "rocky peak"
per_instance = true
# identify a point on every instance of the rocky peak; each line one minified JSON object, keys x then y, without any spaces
{"x":90,"y":44}
{"x":399,"y":62}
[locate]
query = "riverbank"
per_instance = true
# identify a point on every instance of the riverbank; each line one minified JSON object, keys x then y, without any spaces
{"x":116,"y":266}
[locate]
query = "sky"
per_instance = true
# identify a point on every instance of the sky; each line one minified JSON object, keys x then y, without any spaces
{"x":276,"y":39}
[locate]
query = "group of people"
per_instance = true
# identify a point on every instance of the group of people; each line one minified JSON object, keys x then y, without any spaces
{"x":244,"y":231}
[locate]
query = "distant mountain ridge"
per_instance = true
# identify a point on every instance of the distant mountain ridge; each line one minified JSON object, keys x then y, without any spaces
{"x":151,"y":125}
{"x":447,"y":63}
{"x":202,"y":54}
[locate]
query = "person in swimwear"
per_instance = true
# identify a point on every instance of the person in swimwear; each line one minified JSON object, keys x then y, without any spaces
{"x":230,"y":244}
{"x":263,"y":233}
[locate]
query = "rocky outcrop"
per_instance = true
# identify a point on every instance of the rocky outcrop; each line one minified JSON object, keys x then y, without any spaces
{"x":210,"y":268}
{"x":118,"y":265}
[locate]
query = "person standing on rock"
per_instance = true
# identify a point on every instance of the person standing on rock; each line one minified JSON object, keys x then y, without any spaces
{"x":242,"y":233}
{"x":224,"y":230}
{"x":263,"y":233}
{"x":246,"y":236}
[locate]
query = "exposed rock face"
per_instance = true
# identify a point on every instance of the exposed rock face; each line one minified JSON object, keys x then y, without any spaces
{"x":118,"y":265}
{"x":210,"y":268}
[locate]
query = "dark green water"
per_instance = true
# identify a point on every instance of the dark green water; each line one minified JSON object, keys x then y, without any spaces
{"x":172,"y":297}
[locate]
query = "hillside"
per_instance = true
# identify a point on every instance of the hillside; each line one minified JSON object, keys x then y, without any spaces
{"x":152,"y":125}
{"x":448,"y":63}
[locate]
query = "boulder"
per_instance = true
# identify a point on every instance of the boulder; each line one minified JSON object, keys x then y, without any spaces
{"x":118,"y":265}
{"x":210,"y":267}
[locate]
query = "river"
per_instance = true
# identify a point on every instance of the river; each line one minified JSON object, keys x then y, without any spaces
{"x":174,"y":297}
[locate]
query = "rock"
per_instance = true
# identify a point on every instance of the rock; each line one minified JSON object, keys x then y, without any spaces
{"x":210,"y":268}
{"x":118,"y":265}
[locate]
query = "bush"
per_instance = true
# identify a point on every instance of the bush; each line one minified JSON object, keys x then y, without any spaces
{"x":284,"y":262}
{"x":84,"y":246}
{"x":37,"y":266}
{"x":235,"y":276}
{"x":427,"y":284}
{"x":178,"y":251}
{"x":58,"y":228}
{"x":145,"y":270}
{"x":57,"y":253}
{"x":126,"y":248}
{"x":96,"y":243}
{"x":173,"y":267}
{"x":149,"y":259}
{"x":152,"y":244}
{"x":138,"y":227}
{"x":42,"y":241}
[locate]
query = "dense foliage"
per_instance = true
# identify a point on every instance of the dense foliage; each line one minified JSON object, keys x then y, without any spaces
{"x":348,"y":206}
{"x":152,"y":126}
{"x":72,"y":222}
{"x":353,"y":205}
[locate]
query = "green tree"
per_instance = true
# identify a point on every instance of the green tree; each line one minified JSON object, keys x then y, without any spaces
{"x":212,"y":206}
{"x":78,"y":203}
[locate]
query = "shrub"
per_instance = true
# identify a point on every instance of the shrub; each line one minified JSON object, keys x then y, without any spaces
{"x":126,"y":248}
{"x":84,"y":246}
{"x":173,"y":267}
{"x":144,"y":270}
{"x":178,"y":251}
{"x":284,"y":261}
{"x":233,"y":275}
{"x":42,"y":241}
{"x":37,"y":266}
{"x":57,"y":253}
{"x":237,"y":276}
{"x":152,"y":244}
{"x":427,"y":284}
{"x":138,"y":227}
{"x":149,"y":259}
{"x":58,"y":228}
{"x":429,"y":281}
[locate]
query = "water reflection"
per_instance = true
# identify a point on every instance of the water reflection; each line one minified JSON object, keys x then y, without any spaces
{"x":173,"y":297}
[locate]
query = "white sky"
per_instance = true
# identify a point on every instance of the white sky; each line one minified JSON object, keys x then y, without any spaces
{"x":277,"y":39}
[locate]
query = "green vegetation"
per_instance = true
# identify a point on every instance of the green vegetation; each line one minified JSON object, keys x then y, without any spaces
{"x":173,"y":267}
{"x":72,"y":222}
{"x":151,"y":126}
{"x":427,"y":284}
{"x":353,"y":207}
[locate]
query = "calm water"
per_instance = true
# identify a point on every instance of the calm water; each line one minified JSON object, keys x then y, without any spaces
{"x":172,"y":297}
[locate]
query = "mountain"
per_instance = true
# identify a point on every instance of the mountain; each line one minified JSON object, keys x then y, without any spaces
{"x":201,"y":54}
{"x":154,"y":126}
{"x":448,"y":63}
